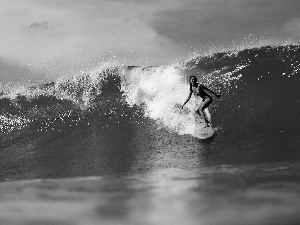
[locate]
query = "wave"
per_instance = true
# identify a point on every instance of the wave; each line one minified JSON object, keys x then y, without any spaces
{"x":158,"y":91}
{"x":259,"y":106}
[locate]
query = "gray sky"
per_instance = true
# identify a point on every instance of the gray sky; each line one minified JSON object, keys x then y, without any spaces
{"x":48,"y":38}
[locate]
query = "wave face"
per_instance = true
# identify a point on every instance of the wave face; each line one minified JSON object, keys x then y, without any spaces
{"x":118,"y":119}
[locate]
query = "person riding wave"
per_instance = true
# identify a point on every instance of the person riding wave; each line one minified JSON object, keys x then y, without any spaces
{"x":200,"y":90}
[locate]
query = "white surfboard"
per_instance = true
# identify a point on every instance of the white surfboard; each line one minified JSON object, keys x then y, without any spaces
{"x":201,"y":132}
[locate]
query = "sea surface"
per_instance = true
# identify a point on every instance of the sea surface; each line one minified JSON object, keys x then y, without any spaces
{"x":113,"y":146}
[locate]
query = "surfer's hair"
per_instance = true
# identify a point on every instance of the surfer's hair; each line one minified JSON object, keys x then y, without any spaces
{"x":192,"y":77}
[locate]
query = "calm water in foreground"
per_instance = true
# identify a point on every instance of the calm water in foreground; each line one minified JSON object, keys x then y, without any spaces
{"x":250,"y":194}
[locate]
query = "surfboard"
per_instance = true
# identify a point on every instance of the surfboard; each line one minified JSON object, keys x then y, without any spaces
{"x":201,"y":132}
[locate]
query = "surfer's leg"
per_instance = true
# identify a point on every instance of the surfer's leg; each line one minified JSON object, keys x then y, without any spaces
{"x":203,"y":106}
{"x":201,"y":113}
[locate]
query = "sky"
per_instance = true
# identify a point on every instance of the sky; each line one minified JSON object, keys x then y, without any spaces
{"x":44,"y":39}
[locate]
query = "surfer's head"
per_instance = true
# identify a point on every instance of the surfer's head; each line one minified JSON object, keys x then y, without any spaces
{"x":193,"y":79}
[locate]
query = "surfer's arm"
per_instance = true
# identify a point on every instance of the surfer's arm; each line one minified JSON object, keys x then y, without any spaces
{"x":188,"y":98}
{"x":211,"y":91}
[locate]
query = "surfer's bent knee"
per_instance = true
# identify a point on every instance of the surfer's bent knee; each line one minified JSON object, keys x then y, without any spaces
{"x":205,"y":104}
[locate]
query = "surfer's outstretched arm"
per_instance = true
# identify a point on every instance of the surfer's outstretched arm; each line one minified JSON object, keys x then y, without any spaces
{"x":188,"y":98}
{"x":211,"y":91}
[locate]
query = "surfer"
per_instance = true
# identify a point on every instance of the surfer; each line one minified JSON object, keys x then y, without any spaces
{"x":199,"y":90}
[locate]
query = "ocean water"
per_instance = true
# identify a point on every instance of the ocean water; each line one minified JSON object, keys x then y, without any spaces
{"x":118,"y":132}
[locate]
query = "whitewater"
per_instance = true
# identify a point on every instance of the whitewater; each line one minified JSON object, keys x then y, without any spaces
{"x":112,"y":143}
